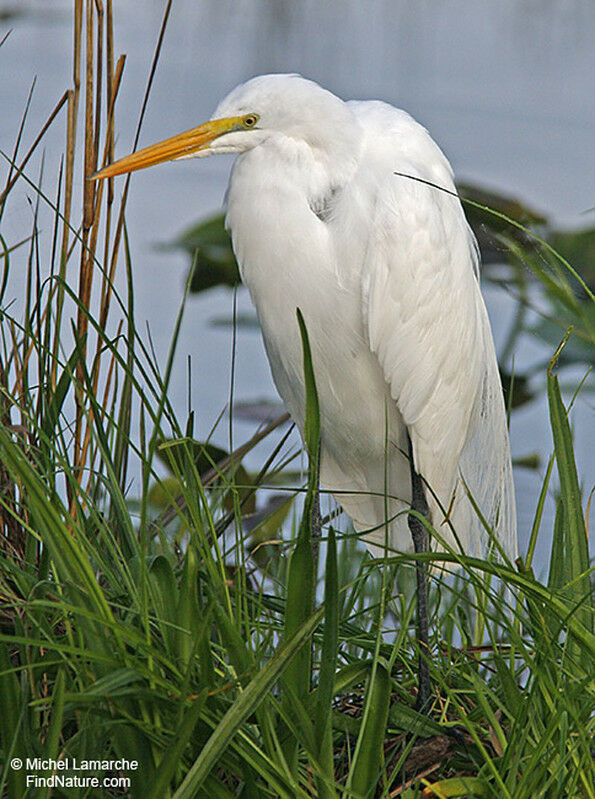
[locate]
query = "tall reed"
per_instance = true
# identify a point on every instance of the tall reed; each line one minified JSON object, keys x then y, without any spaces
{"x":167,"y":624}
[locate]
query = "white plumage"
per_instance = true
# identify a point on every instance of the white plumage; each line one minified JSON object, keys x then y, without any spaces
{"x":330,"y":211}
{"x":384,"y":269}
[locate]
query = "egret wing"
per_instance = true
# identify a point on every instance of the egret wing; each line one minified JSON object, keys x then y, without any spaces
{"x":427,"y":323}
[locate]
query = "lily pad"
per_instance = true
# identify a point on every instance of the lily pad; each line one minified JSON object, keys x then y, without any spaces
{"x":488,"y":227}
{"x":262,"y":411}
{"x":242,"y":321}
{"x":578,"y":248}
{"x":579,"y":347}
{"x":521,"y":391}
{"x":173,"y":455}
{"x":209,"y":246}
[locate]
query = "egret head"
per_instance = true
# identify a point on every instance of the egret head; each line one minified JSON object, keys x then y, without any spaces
{"x":263,"y":107}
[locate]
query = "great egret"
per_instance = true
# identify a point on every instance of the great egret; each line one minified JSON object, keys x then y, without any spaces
{"x":348,"y":211}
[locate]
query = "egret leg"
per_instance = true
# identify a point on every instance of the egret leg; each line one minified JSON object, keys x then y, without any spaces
{"x":420,"y":544}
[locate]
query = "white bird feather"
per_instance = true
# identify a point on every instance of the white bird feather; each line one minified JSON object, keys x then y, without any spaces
{"x":348,"y":211}
{"x":387,"y":281}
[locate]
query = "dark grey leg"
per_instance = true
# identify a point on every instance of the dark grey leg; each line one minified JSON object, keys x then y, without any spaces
{"x":420,"y":544}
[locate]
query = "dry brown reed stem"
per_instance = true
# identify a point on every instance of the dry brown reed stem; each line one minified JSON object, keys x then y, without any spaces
{"x":99,"y":7}
{"x":90,"y":245}
{"x":106,"y":286}
{"x":92,"y":198}
{"x":107,"y":281}
{"x":87,"y":255}
{"x":73,"y":102}
{"x":11,"y":531}
{"x":97,"y":359}
{"x":89,"y":165}
{"x":98,"y":37}
{"x":112,"y":85}
{"x":68,"y":182}
{"x":109,"y":46}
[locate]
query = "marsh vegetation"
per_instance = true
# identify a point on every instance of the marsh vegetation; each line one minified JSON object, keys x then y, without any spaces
{"x":154,"y":605}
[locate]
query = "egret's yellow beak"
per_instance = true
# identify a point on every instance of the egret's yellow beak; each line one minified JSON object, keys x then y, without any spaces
{"x":187,"y":143}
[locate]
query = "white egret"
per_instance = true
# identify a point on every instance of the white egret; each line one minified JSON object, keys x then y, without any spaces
{"x":346,"y":210}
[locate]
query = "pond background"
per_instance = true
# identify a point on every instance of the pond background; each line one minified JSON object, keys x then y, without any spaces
{"x":505,"y":89}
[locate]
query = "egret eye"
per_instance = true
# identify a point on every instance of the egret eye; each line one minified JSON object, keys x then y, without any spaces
{"x":250,"y":120}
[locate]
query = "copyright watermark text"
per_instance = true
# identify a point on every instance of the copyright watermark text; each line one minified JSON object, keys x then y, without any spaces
{"x":72,"y":772}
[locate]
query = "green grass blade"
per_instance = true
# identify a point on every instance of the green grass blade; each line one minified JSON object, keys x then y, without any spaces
{"x":557,"y":576}
{"x":365,"y":768}
{"x":328,"y":665}
{"x":50,"y":418}
{"x":11,"y":724}
{"x":52,"y":742}
{"x":188,"y":608}
{"x":574,"y":545}
{"x":122,"y":442}
{"x":300,"y":592}
{"x":170,"y":761}
{"x":538,"y":515}
{"x":163,"y":587}
{"x":246,"y":704}
{"x":458,"y":787}
{"x":312,"y":421}
{"x":301,"y":578}
{"x":67,"y":552}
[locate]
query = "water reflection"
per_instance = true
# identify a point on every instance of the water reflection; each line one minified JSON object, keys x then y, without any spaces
{"x":503,"y":87}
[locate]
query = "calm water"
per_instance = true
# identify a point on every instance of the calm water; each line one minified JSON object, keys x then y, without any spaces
{"x":505,"y":88}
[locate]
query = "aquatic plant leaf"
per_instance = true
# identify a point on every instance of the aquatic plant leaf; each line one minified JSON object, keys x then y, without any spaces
{"x":206,"y":457}
{"x":457,"y":786}
{"x":578,"y":248}
{"x":488,"y":227}
{"x":579,"y":347}
{"x":209,"y":247}
{"x":241,"y":321}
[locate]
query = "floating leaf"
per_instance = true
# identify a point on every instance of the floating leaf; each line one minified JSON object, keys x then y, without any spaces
{"x":578,"y":248}
{"x":530,"y":461}
{"x":579,"y":347}
{"x":209,"y":247}
{"x":172,"y":454}
{"x":487,"y":227}
{"x":521,"y":392}
{"x":242,"y":321}
{"x":162,"y":493}
{"x":262,"y":411}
